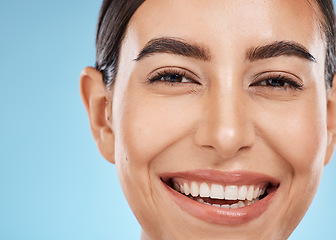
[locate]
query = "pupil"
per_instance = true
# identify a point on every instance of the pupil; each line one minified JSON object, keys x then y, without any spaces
{"x":276,"y":82}
{"x":173,"y":78}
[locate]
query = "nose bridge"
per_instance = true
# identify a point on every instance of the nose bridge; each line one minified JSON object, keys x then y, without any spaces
{"x":226,"y":126}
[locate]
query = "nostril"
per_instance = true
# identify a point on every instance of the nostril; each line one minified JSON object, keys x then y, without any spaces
{"x":244,"y":148}
{"x":226,"y":138}
{"x":208,"y":146}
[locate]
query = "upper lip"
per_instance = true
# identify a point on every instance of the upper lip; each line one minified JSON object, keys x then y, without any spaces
{"x":221,"y":214}
{"x":221,"y":177}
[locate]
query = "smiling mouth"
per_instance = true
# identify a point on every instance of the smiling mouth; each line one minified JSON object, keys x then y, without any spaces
{"x":214,"y":196}
{"x":221,"y":196}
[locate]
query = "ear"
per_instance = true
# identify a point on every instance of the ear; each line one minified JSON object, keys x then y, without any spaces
{"x":96,"y":99}
{"x":331,"y":121}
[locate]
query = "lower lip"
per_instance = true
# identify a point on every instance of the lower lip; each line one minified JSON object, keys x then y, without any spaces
{"x":218,"y":215}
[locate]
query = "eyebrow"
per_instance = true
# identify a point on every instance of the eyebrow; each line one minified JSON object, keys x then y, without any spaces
{"x":175,"y":46}
{"x":277,"y":49}
{"x":179,"y":46}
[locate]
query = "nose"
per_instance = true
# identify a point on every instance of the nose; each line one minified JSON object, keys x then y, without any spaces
{"x":225,"y":125}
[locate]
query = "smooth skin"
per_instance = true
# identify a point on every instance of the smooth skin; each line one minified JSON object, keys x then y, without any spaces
{"x":221,"y":116}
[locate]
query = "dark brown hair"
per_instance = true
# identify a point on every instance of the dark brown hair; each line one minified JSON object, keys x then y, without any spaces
{"x":329,"y":28}
{"x":115,"y":15}
{"x":112,"y":24}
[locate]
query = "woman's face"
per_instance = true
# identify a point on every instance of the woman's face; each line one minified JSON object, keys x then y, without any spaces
{"x":226,"y":100}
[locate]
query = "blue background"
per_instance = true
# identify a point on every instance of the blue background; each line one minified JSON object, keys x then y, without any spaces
{"x":53,"y":182}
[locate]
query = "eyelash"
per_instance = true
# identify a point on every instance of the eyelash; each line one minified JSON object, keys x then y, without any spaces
{"x":283,"y":82}
{"x":160,"y":75}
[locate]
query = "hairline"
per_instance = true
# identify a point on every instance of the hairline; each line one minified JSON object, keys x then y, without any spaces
{"x":320,"y":18}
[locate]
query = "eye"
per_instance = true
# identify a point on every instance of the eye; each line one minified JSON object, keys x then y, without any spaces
{"x":278,"y":82}
{"x":171,"y":76}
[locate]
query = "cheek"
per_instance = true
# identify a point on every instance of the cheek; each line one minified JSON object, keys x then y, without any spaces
{"x":297,"y":132}
{"x":146,"y":127}
{"x":149,"y":127}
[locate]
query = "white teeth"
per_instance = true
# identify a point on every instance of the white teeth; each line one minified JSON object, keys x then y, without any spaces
{"x":182,"y":188}
{"x":186,"y":189}
{"x":246,"y":194}
{"x":256,"y":192}
{"x":263,"y":191}
{"x":231,"y":192}
{"x":241,"y":204}
{"x":226,"y":206}
{"x":194,"y":189}
{"x":249,"y":195}
{"x":217,"y":191}
{"x":204,"y":190}
{"x":176,"y":187}
{"x":259,"y":193}
{"x":242,"y":192}
{"x":234,"y":206}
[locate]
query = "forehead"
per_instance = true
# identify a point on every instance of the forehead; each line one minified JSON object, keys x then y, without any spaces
{"x":219,"y":23}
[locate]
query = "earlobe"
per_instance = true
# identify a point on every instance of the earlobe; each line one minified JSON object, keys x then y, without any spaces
{"x":331,"y":122}
{"x":96,"y":99}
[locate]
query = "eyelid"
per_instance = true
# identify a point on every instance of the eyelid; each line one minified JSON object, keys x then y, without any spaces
{"x":277,"y":73}
{"x":289,"y":78}
{"x":174,"y":69}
